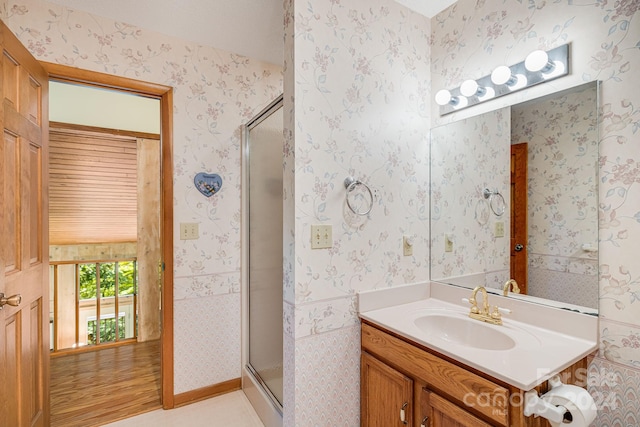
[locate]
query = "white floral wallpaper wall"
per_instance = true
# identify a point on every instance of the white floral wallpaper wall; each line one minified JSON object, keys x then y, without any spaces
{"x":471,"y":38}
{"x":358,"y":79}
{"x":215,"y":92}
{"x":562,"y":142}
{"x":356,"y":104}
{"x":467,"y":157}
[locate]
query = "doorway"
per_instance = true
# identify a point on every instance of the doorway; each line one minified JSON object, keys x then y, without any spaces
{"x":162,"y":268}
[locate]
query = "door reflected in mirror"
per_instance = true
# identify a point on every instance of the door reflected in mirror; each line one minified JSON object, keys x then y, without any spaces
{"x":541,"y":156}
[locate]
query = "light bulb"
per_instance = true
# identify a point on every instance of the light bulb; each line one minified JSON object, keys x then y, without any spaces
{"x":557,"y":70}
{"x":443,"y":97}
{"x":489,"y":93}
{"x":459,"y":102}
{"x":502,"y":76}
{"x":471,"y":88}
{"x":538,"y":60}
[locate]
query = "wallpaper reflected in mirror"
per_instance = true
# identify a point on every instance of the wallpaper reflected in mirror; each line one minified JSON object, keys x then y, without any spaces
{"x":556,"y":203}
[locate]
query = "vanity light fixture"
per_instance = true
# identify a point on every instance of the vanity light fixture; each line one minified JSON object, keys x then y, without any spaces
{"x":538,"y":60}
{"x":471,"y":88}
{"x":538,"y":67}
{"x":502,"y":76}
{"x":443,"y":97}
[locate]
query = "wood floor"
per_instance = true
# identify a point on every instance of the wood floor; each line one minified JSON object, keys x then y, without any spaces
{"x":102,"y":386}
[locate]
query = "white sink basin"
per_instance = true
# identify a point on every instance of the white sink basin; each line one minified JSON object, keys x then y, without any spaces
{"x":464,"y":331}
{"x":532,"y":343}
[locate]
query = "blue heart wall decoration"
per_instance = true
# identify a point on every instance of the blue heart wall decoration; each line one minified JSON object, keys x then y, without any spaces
{"x":208,"y":183}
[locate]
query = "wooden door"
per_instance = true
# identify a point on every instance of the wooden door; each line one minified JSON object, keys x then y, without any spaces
{"x":24,"y":333}
{"x":519,"y":231}
{"x":386,"y":395}
{"x":439,"y":412}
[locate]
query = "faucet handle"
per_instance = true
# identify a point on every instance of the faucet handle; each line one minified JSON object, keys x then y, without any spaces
{"x":495,"y":314}
{"x":499,"y":311}
{"x":474,"y":306}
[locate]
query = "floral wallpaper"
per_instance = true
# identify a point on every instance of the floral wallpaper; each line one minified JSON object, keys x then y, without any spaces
{"x":471,"y":38}
{"x":358,"y":81}
{"x":467,"y":157}
{"x":215,"y":92}
{"x":562,"y":137}
{"x":361,"y":81}
{"x":356,"y":91}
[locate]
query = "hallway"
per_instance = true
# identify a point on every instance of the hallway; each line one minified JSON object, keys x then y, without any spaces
{"x":98,"y":387}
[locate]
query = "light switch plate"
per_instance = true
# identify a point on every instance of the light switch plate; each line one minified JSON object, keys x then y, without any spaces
{"x":407,"y":246}
{"x":448,"y":243}
{"x":321,"y":236}
{"x":499,"y":232}
{"x":189,"y":231}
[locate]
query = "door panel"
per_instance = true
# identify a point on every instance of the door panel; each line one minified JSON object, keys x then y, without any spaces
{"x":386,"y":395}
{"x":11,"y":373}
{"x":35,"y":204}
{"x":519,"y":231}
{"x":24,"y":329}
{"x":11,"y":224}
{"x":10,"y":71}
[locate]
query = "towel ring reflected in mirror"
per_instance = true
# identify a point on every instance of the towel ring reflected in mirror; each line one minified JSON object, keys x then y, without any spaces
{"x":495,"y":196}
{"x":355,"y":199}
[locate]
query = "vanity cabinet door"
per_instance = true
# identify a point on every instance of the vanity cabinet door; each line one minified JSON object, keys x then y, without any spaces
{"x":443,"y":413}
{"x":386,"y":395}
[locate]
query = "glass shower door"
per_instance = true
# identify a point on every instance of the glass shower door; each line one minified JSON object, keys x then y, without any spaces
{"x":265,"y":151}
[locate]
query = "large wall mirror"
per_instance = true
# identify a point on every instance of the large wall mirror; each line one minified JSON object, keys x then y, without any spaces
{"x":514,"y":194}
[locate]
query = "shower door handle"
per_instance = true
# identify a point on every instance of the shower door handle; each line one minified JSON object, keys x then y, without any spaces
{"x":518,"y":247}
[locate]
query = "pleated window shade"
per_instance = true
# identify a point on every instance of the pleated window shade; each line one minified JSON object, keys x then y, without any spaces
{"x":92,"y":187}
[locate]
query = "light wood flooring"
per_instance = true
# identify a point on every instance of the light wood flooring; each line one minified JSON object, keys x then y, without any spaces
{"x":98,"y":387}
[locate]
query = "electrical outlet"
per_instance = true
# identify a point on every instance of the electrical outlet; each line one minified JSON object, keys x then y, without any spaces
{"x":189,"y":231}
{"x":448,"y":243}
{"x":321,"y":236}
{"x":499,"y":231}
{"x":407,"y":246}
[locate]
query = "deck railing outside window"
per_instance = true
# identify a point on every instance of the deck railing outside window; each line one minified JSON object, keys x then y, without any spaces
{"x":93,"y":303}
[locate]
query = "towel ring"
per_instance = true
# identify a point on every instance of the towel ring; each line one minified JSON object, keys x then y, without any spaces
{"x":351,"y":184}
{"x":490,"y":195}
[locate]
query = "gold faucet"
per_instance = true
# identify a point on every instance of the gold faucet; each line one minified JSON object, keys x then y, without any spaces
{"x":515,"y":289}
{"x":484,"y":314}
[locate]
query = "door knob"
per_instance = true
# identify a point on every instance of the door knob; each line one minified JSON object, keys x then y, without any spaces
{"x":519,"y":247}
{"x":13,"y":300}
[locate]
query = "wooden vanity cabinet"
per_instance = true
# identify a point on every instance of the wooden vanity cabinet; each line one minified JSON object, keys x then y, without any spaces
{"x":387,"y":395}
{"x":402,"y":383}
{"x":440,"y":412}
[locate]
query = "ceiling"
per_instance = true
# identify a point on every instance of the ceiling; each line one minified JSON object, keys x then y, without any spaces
{"x":248,"y":27}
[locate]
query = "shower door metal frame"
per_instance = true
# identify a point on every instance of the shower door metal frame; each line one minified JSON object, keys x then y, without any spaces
{"x":268,"y":408}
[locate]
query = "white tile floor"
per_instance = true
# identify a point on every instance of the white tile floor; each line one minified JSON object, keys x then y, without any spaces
{"x":231,"y":409}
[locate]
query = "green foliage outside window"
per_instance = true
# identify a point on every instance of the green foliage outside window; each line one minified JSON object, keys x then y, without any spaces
{"x":107,"y":330}
{"x":126,"y":279}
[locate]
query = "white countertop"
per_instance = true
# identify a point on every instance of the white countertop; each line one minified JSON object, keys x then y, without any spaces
{"x":548,"y":340}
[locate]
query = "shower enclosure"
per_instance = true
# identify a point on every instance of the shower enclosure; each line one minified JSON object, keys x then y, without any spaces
{"x":262,"y":263}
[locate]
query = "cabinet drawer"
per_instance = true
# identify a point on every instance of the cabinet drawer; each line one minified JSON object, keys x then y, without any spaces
{"x":479,"y":395}
{"x":443,"y":413}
